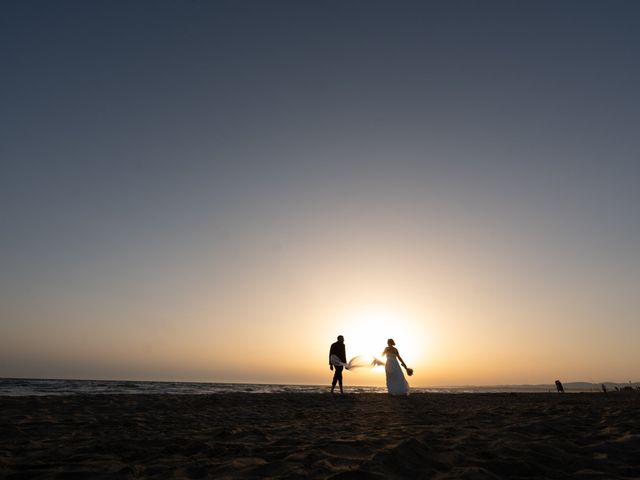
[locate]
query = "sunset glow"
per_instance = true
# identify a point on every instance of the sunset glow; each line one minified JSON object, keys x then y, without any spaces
{"x":214,"y":191}
{"x":368,"y":331}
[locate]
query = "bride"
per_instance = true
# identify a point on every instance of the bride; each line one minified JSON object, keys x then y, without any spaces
{"x":396,"y":383}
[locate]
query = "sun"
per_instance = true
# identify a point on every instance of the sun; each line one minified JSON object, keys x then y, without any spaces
{"x":366,"y":333}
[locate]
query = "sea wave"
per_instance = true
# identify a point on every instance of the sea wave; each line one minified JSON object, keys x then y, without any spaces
{"x":35,"y":387}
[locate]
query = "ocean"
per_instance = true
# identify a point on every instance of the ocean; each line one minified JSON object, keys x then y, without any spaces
{"x":34,"y":387}
{"x":30,"y":387}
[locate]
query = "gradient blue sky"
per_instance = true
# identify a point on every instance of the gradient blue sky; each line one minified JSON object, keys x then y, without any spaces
{"x":200,"y":190}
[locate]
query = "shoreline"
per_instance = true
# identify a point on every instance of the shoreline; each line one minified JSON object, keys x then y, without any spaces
{"x":26,"y":387}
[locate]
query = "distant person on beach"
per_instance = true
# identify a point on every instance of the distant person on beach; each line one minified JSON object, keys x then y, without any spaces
{"x":559,"y":386}
{"x":337,"y":349}
{"x":396,"y":383}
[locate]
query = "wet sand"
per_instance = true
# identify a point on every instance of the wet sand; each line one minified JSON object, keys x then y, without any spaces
{"x":364,"y":436}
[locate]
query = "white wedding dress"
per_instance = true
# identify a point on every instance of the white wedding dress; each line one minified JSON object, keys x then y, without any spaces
{"x":396,"y":383}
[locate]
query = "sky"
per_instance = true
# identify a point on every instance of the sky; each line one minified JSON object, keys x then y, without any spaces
{"x":214,"y":191}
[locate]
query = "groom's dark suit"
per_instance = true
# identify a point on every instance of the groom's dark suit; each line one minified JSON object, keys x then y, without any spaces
{"x":337,"y":349}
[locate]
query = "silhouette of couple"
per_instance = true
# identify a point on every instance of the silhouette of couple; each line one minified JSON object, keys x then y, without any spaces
{"x":396,"y":382}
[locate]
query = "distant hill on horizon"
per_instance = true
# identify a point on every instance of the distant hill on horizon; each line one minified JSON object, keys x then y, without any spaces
{"x":568,"y":386}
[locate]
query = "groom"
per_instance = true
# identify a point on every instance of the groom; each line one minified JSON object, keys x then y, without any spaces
{"x":337,"y":349}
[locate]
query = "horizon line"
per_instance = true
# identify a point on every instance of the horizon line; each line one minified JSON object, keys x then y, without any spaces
{"x":608,"y":382}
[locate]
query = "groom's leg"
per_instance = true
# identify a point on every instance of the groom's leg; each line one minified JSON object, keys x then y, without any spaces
{"x":335,"y":378}
{"x":339,"y":375}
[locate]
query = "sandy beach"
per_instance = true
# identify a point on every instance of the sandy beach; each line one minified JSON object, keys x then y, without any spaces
{"x":321,"y":436}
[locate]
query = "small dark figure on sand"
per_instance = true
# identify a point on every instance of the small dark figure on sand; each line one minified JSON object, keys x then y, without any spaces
{"x":559,"y":386}
{"x":604,"y":388}
{"x":337,"y":349}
